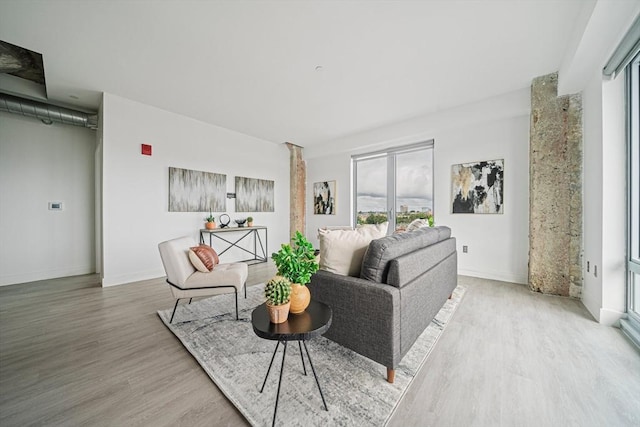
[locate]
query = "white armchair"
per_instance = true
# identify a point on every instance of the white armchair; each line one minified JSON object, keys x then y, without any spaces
{"x":186,"y":282}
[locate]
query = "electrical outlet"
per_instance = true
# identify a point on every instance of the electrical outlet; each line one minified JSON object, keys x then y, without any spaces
{"x":595,"y":270}
{"x":465,"y":249}
{"x":587,"y":266}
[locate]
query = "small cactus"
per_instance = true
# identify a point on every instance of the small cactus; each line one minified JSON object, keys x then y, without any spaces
{"x":277,"y":291}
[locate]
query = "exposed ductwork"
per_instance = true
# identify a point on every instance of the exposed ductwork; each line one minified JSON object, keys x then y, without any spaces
{"x":47,"y":113}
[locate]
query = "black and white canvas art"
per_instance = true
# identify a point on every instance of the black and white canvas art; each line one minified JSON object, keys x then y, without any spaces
{"x":324,"y":198}
{"x":196,"y":191}
{"x":478,"y":187}
{"x":254,"y":195}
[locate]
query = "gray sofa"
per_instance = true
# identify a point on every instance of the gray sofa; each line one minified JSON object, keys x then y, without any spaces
{"x":404,"y":281}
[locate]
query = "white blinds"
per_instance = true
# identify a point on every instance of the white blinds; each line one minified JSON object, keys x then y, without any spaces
{"x":626,"y":51}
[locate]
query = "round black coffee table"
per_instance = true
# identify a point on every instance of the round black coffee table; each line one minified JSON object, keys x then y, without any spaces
{"x":311,"y":323}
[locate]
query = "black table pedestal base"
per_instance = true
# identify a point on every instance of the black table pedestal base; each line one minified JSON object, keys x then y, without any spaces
{"x":284,"y":354}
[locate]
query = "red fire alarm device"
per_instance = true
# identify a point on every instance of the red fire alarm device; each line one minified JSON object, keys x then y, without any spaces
{"x":146,"y":149}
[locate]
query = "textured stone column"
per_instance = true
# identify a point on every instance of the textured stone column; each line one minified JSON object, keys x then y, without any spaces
{"x":555,"y":190}
{"x":297,"y":192}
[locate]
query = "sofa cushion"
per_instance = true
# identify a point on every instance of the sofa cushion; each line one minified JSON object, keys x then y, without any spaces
{"x":341,"y":251}
{"x":375,"y":264}
{"x":203,"y":258}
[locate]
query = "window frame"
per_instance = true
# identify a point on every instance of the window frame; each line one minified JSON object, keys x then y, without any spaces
{"x":390,"y":154}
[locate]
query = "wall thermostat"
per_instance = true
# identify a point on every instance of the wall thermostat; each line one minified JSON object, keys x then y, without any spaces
{"x":55,"y":206}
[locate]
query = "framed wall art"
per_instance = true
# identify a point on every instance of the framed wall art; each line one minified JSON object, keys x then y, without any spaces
{"x":478,"y":187}
{"x":196,"y":191}
{"x":324,"y":198}
{"x":254,"y":195}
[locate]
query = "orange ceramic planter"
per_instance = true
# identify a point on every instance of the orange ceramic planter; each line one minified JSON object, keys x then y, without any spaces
{"x":210,"y":225}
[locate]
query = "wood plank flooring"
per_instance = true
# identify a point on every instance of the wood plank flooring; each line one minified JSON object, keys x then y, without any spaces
{"x":73,"y":353}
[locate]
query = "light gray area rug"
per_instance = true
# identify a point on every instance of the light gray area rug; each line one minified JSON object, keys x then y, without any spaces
{"x":354,"y":387}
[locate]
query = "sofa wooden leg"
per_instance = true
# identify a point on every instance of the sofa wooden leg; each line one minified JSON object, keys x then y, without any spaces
{"x":391,"y":375}
{"x":450,"y":295}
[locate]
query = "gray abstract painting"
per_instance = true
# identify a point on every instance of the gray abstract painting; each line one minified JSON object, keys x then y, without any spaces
{"x":196,"y":191}
{"x":254,"y":195}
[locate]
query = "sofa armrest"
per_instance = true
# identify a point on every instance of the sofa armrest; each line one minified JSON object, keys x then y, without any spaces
{"x":366,"y":315}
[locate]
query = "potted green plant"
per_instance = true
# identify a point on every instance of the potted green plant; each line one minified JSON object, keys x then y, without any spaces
{"x":210,"y":223}
{"x":278,"y":294}
{"x":297,"y":262}
{"x":249,"y":221}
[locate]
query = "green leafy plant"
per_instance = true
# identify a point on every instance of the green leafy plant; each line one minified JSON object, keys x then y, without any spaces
{"x":249,"y":219}
{"x":277,"y":291}
{"x":296,"y":262}
{"x":210,"y":218}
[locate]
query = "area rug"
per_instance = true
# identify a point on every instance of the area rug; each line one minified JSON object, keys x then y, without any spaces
{"x":354,"y":387}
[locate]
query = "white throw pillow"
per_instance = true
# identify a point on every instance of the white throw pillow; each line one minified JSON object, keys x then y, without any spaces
{"x":416,"y":224}
{"x":341,"y":251}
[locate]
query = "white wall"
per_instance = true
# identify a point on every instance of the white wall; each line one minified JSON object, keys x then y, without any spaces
{"x":604,"y":198}
{"x":135,"y":187}
{"x":41,"y":164}
{"x":592,"y":194}
{"x":497,"y":128}
{"x":614,"y":214}
{"x":604,"y":154}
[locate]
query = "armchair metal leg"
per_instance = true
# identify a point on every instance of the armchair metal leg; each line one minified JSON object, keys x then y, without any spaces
{"x":174,"y":310}
{"x":245,"y":290}
{"x":237,"y":318}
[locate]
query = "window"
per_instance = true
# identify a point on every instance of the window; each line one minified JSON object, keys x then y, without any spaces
{"x":631,"y":325}
{"x":394,"y":185}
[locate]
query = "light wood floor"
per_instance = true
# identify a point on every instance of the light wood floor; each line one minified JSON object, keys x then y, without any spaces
{"x":72,"y":353}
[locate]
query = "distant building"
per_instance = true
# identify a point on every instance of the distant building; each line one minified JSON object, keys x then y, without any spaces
{"x":404,"y":208}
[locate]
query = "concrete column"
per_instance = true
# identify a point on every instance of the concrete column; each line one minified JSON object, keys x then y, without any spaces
{"x":555,"y":190}
{"x":297,"y":192}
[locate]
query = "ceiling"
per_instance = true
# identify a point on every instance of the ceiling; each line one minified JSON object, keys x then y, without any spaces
{"x":306,"y":72}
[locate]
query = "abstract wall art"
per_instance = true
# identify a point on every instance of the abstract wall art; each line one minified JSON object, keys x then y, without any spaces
{"x":196,"y":191}
{"x":478,"y":187}
{"x":254,"y":195}
{"x":324,"y":198}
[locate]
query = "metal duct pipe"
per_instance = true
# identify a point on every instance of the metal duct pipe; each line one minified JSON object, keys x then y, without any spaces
{"x":47,"y":113}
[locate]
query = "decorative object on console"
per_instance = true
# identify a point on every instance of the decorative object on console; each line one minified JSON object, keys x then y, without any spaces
{"x":196,"y":191}
{"x":297,"y":262}
{"x":240,"y":221}
{"x":478,"y":187}
{"x":249,"y":221}
{"x":254,"y":195}
{"x":224,"y":220}
{"x":277,"y":291}
{"x":210,"y":223}
{"x":324,"y":198}
{"x":341,"y":251}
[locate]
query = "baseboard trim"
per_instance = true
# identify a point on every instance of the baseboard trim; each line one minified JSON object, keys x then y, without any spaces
{"x":631,"y":332}
{"x":35,"y":276}
{"x":610,"y":317}
{"x":501,"y":276}
{"x":123,"y":279}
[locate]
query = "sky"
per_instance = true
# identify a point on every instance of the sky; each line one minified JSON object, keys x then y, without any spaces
{"x":414,"y":184}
